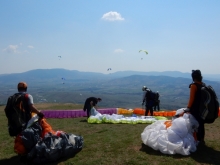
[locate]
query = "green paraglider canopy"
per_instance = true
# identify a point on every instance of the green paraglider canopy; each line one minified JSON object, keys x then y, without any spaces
{"x":143,"y":51}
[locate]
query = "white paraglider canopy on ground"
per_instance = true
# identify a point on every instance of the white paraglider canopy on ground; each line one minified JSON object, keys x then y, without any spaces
{"x":176,"y":139}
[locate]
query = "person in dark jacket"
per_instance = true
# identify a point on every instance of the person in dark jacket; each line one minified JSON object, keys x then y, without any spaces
{"x":194,"y":102}
{"x":148,"y":102}
{"x":157,"y":102}
{"x":91,"y":101}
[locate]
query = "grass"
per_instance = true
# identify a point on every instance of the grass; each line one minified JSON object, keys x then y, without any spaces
{"x":113,"y":144}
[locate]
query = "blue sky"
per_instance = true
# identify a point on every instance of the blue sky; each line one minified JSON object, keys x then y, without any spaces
{"x":95,"y":35}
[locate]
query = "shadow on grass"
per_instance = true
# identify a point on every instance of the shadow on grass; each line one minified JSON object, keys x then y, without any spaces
{"x":17,"y":160}
{"x":203,"y":154}
{"x":206,"y":155}
{"x":12,"y":160}
{"x":85,"y":120}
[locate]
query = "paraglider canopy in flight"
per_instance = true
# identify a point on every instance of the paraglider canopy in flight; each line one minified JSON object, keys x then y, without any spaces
{"x":63,"y":80}
{"x":143,"y":51}
{"x":109,"y":69}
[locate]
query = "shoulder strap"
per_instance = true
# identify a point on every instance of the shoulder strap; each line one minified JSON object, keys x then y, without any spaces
{"x":199,"y":86}
{"x":25,"y":96}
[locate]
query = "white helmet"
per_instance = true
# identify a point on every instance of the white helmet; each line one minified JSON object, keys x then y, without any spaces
{"x":144,"y":88}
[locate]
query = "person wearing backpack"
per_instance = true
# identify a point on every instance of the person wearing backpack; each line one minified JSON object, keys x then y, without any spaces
{"x":194,"y":103}
{"x":19,"y":108}
{"x":148,"y":100}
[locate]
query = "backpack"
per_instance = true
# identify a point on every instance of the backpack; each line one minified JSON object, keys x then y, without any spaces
{"x":209,"y":105}
{"x":157,"y":98}
{"x":151,"y":98}
{"x":16,"y":111}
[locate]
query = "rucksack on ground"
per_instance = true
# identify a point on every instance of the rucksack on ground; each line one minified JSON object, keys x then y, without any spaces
{"x":16,"y":114}
{"x":209,"y":105}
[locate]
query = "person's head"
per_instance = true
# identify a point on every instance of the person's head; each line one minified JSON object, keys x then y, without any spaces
{"x":22,"y":87}
{"x":144,"y":88}
{"x":196,"y":75}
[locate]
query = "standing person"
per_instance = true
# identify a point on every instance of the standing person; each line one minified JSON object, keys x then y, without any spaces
{"x":149,"y":103}
{"x":18,"y":119}
{"x":194,"y":102}
{"x":157,"y":102}
{"x":144,"y":89}
{"x":89,"y":103}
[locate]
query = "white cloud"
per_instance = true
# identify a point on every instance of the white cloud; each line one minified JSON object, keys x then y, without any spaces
{"x":112,"y":16}
{"x":118,"y":51}
{"x":31,"y":47}
{"x":11,"y":49}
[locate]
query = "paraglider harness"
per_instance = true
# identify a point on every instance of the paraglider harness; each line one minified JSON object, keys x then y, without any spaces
{"x":17,"y":112}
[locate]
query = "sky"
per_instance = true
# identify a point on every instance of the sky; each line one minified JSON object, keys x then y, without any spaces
{"x":94,"y":35}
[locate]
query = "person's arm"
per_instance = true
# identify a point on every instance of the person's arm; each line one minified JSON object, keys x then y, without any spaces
{"x":144,"y":97}
{"x":34,"y":109}
{"x":193,"y":90}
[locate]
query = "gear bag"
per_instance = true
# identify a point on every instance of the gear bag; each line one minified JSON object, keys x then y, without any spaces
{"x":151,"y":98}
{"x":16,"y":112}
{"x":209,"y":105}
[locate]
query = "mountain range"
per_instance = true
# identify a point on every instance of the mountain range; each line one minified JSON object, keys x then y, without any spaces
{"x":77,"y":75}
{"x":119,"y":89}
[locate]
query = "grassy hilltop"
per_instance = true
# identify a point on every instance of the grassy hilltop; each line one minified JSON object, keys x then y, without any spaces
{"x":113,"y":144}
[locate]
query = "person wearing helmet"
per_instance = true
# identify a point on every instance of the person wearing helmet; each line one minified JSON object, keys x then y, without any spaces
{"x":194,"y":102}
{"x":22,"y":89}
{"x":144,"y":88}
{"x":157,"y":102}
{"x":90,"y":103}
{"x":148,"y":104}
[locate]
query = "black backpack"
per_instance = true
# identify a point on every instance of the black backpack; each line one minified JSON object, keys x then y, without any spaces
{"x":209,"y":105}
{"x":151,"y":98}
{"x":16,"y":111}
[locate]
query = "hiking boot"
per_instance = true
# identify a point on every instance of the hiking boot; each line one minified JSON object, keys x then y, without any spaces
{"x":201,"y":143}
{"x":23,"y":159}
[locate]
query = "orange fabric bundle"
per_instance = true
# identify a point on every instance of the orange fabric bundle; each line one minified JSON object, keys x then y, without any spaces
{"x":139,"y":111}
{"x":46,"y":127}
{"x":19,"y":146}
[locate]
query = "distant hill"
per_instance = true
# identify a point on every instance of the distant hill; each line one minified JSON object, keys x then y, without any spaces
{"x":211,"y":77}
{"x":120,"y":89}
{"x":50,"y":75}
{"x":45,"y":75}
